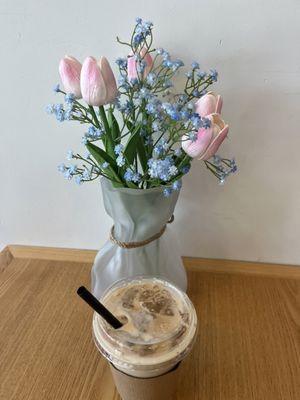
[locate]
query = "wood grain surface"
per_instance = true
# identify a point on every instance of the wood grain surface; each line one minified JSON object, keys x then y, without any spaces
{"x":247,"y":346}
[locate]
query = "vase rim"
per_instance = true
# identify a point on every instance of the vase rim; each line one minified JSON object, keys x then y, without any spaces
{"x":131,"y":190}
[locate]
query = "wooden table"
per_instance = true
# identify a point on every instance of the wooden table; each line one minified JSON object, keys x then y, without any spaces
{"x":247,"y":347}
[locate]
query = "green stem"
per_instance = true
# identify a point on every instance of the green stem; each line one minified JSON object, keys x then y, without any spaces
{"x":104,"y":119}
{"x":92,"y":111}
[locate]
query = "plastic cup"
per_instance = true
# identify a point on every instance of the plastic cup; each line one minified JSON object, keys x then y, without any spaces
{"x":160,"y":325}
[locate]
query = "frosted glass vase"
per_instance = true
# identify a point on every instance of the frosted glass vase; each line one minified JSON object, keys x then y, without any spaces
{"x":138,"y":214}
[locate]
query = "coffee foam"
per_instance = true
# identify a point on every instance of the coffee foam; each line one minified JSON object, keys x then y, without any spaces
{"x":159,"y":324}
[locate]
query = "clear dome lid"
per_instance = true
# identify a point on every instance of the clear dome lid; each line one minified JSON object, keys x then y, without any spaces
{"x":159,"y":320}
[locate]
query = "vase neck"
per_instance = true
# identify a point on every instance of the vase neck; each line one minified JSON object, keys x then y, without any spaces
{"x":137,"y":214}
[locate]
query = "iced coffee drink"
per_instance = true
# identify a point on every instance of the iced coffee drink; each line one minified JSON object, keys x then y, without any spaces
{"x":159,"y":327}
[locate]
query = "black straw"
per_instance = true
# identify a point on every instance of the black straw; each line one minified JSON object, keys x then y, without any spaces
{"x":98,"y":307}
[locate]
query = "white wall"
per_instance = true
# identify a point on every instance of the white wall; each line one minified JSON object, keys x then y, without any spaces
{"x":255,"y":47}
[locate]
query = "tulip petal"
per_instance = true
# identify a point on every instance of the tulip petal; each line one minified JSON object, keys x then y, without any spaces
{"x":131,"y":64}
{"x":131,"y":68}
{"x":148,"y":60}
{"x":109,"y":80}
{"x":215,"y":144}
{"x":198,"y":147}
{"x":92,"y":83}
{"x":208,"y":104}
{"x":69,"y":70}
{"x":219,"y":104}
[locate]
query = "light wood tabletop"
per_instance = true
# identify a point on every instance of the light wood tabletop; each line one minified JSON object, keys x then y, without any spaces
{"x":247,"y":346}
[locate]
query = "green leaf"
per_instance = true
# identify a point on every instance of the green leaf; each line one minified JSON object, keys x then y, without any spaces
{"x":142,"y":153}
{"x":107,"y":138}
{"x":131,"y":185}
{"x":114,"y":126}
{"x":130,"y":150}
{"x":101,"y":156}
{"x":129,"y":125}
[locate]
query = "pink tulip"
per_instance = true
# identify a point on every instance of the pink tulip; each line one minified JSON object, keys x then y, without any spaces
{"x":208,"y":104}
{"x":98,"y":84}
{"x":69,"y":70}
{"x":208,"y":140}
{"x":132,"y":64}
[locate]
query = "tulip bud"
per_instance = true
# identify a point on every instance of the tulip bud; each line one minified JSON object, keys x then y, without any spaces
{"x":208,"y":104}
{"x":132,"y":64}
{"x":98,"y":84}
{"x":69,"y":70}
{"x":220,"y":132}
{"x":208,"y":140}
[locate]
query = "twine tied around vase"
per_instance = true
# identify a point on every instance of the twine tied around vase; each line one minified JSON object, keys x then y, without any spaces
{"x":132,"y":245}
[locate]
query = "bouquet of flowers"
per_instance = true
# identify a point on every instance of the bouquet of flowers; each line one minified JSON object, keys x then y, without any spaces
{"x":141,"y":133}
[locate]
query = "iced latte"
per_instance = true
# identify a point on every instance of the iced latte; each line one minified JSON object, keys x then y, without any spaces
{"x":159,"y":329}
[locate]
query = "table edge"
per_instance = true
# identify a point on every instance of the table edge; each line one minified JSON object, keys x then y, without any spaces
{"x":11,"y":252}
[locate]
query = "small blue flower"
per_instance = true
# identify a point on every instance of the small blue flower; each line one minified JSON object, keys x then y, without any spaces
{"x":68,"y":174}
{"x":184,"y":114}
{"x":136,"y":177}
{"x":73,"y":169}
{"x":196,"y":120}
{"x":177,"y":64}
{"x":193,"y":136}
{"x":87,"y":175}
{"x":151,"y":78}
{"x":79,"y":180}
{"x":58,"y":108}
{"x":138,"y":20}
{"x":61,"y":167}
{"x":118,"y":149}
{"x":155,"y":126}
{"x":144,"y":93}
{"x":185,"y":169}
{"x":177,"y":185}
{"x":206,"y":123}
{"x":69,"y":98}
{"x":68,"y":114}
{"x":173,"y":170}
{"x":195,"y":65}
{"x":121,"y":62}
{"x":189,"y":74}
{"x":104,"y":165}
{"x":120,"y":160}
{"x":151,"y":108}
{"x":137,"y":39}
{"x":178,"y":152}
{"x":70,"y":155}
{"x":201,"y":74}
{"x":175,"y":115}
{"x":128,"y":175}
{"x":50,"y":109}
{"x":60,"y":116}
{"x":134,"y":81}
{"x":213,"y":75}
{"x":91,"y":130}
{"x":167,"y":192}
{"x":141,"y":65}
{"x":56,"y":88}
